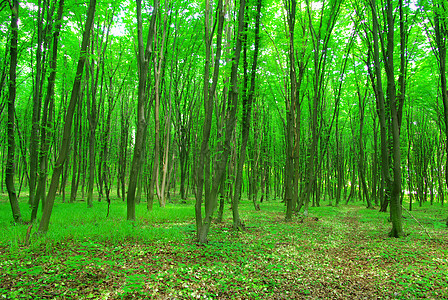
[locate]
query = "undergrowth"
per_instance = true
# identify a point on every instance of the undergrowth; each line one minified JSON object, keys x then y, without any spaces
{"x":335,"y":252}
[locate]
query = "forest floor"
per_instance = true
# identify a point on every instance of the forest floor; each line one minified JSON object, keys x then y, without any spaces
{"x":334,"y":253}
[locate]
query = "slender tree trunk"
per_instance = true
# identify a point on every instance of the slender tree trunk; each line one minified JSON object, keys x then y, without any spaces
{"x":124,"y":134}
{"x":290,"y":115}
{"x":143,"y":64}
{"x":158,"y":64}
{"x":37,"y":102}
{"x":202,"y":226}
{"x":441,"y":34}
{"x":375,"y":162}
{"x":395,"y":203}
{"x":47,"y":118}
{"x":104,"y":156}
{"x":339,"y":162}
{"x":247,"y":108}
{"x":63,"y":153}
{"x":92,"y":119}
{"x":379,"y":93}
{"x":361,"y":158}
{"x":9,"y":171}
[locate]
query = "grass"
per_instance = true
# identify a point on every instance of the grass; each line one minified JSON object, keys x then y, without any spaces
{"x":337,"y":252}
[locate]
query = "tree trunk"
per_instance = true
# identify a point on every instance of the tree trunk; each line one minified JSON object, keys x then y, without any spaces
{"x":208,"y":94}
{"x":379,"y":94}
{"x":37,"y":102}
{"x":375,"y":162}
{"x":9,"y":171}
{"x":395,"y":203}
{"x":290,"y":115}
{"x":441,"y":34}
{"x":248,"y":99}
{"x":77,"y":139}
{"x":63,"y":153}
{"x":93,"y":121}
{"x":158,"y":64}
{"x":361,"y":157}
{"x":122,"y":160}
{"x":143,"y":64}
{"x":47,"y":118}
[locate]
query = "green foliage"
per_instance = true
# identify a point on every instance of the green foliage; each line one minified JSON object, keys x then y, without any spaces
{"x":86,"y":255}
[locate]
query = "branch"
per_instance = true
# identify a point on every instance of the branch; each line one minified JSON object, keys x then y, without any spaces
{"x":417,"y":222}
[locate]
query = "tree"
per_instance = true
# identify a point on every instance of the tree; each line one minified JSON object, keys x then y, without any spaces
{"x":63,"y":153}
{"x":100,"y":42}
{"x":37,"y":101}
{"x":441,"y":35}
{"x":395,"y":203}
{"x":275,"y":108}
{"x":202,"y":226}
{"x":248,"y":99}
{"x":9,"y":172}
{"x":144,"y":57}
{"x":47,"y":117}
{"x":320,"y":37}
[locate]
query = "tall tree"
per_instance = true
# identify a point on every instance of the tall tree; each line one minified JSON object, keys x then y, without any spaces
{"x":47,"y":117}
{"x":99,"y":42}
{"x":225,"y":148}
{"x":10,"y":169}
{"x":248,"y":99}
{"x":202,"y":226}
{"x":37,"y":101}
{"x":160,"y":157}
{"x":320,"y":37}
{"x":395,"y":201}
{"x":441,"y":36}
{"x":144,"y":57}
{"x":377,"y":84}
{"x":290,"y":103}
{"x":63,"y":153}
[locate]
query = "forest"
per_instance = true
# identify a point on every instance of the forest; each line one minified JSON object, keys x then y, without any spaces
{"x":294,"y":107}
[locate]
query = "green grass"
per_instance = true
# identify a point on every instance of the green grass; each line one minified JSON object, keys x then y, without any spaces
{"x":336,"y":252}
{"x":75,"y":221}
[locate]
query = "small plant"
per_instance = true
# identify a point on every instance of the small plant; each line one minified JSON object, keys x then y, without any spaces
{"x":135,"y":284}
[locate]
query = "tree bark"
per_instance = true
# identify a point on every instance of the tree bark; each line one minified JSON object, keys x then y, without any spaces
{"x":123,"y":153}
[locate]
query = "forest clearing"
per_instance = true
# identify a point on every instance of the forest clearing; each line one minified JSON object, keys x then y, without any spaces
{"x":336,"y":252}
